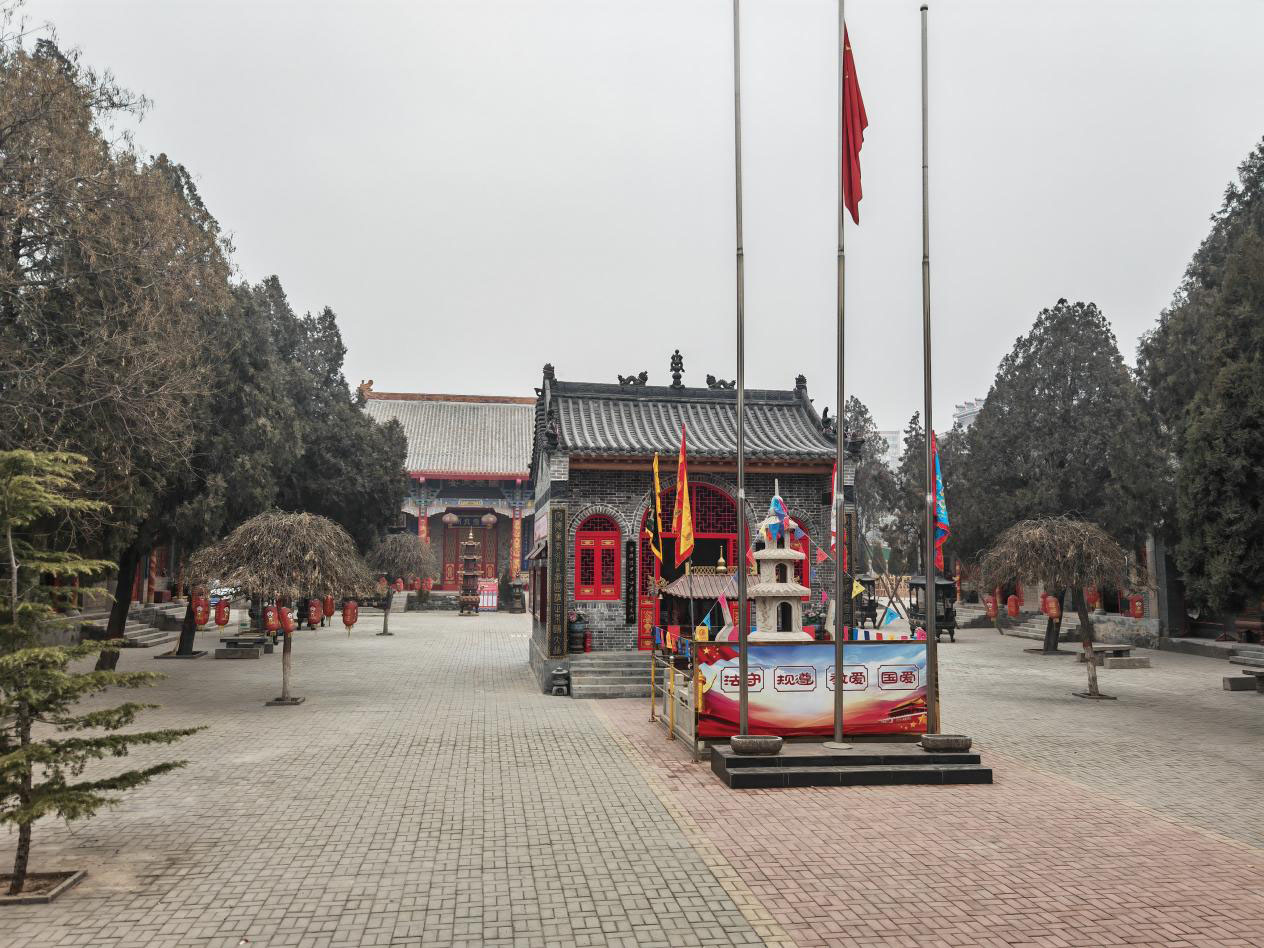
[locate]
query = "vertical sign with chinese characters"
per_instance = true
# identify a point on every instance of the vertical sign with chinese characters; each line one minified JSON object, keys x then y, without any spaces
{"x":629,"y":582}
{"x":557,"y":580}
{"x":515,"y":543}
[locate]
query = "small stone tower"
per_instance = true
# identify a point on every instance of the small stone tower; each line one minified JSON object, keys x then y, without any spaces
{"x":778,"y":596}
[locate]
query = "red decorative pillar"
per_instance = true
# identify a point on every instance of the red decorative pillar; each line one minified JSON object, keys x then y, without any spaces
{"x":515,"y":543}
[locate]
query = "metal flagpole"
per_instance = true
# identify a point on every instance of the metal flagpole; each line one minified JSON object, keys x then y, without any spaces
{"x":840,"y":505}
{"x":743,"y":610}
{"x":932,"y":593}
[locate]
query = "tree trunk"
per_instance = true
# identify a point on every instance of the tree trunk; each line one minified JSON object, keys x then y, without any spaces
{"x":23,"y":855}
{"x":188,"y":630}
{"x":108,"y":661}
{"x":285,"y":667}
{"x":386,"y":613}
{"x":1053,"y":630}
{"x":1086,"y":632}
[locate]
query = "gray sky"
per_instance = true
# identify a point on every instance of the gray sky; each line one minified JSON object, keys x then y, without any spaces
{"x":480,"y":186}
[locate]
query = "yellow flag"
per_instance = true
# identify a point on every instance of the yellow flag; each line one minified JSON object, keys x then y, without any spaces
{"x":856,"y":589}
{"x":682,"y":515}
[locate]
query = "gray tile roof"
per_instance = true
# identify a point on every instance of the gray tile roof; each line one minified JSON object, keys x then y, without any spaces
{"x":456,"y":434}
{"x":596,"y":420}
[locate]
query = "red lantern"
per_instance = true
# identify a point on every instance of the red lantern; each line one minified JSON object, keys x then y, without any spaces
{"x":1138,"y":606}
{"x":1011,"y":606}
{"x":201,"y":611}
{"x":314,"y":612}
{"x":1092,"y":597}
{"x":287,"y":620}
{"x":350,"y":612}
{"x":1054,"y":608}
{"x":222,"y":612}
{"x":271,"y":621}
{"x":989,"y":603}
{"x":415,"y":585}
{"x":1044,"y":603}
{"x":328,"y":607}
{"x":399,"y":585}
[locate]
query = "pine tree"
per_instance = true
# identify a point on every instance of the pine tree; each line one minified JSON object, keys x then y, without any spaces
{"x":39,"y":768}
{"x":1203,"y":366}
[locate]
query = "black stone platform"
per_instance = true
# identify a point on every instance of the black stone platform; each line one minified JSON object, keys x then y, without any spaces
{"x":811,"y":765}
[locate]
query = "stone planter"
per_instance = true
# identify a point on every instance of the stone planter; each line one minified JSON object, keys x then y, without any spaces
{"x":946,"y":742}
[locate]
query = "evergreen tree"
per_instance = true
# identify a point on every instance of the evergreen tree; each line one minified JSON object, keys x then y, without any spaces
{"x":38,"y":771}
{"x":1203,"y":366}
{"x":875,"y":483}
{"x":1064,"y":431}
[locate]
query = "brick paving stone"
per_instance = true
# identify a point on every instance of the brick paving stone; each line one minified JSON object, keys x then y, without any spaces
{"x":424,"y":794}
{"x":1135,"y":822}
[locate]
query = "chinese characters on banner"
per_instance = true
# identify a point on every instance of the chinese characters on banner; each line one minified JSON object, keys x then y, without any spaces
{"x":791,"y":689}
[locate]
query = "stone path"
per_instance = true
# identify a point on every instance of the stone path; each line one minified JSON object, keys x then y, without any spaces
{"x":425,"y":794}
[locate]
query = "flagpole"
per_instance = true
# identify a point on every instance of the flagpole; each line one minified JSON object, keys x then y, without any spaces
{"x":743,"y":610}
{"x":840,"y":505}
{"x":932,"y":591}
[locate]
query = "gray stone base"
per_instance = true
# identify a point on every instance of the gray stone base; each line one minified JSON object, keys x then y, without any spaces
{"x":284,"y":702}
{"x":235,"y":653}
{"x":176,"y":655}
{"x":1239,"y":683}
{"x":1127,"y":662}
{"x":69,"y":881}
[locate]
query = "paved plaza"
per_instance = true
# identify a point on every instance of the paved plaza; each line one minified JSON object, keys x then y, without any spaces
{"x":427,"y":795}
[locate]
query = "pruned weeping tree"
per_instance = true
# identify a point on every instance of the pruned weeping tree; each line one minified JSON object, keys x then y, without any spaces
{"x":1065,"y":554}
{"x":285,"y":555}
{"x":399,"y":556}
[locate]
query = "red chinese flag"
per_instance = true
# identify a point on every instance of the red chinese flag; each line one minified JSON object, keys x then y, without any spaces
{"x":854,"y":124}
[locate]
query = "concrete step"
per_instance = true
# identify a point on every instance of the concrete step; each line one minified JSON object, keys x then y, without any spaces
{"x":752,"y":778}
{"x":610,"y":691}
{"x":581,"y":681}
{"x":1253,"y":661}
{"x":812,"y":765}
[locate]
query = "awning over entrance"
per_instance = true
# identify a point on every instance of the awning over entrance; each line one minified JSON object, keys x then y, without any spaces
{"x":703,"y":586}
{"x":539,"y":550}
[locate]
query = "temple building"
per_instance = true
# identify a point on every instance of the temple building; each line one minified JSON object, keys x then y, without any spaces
{"x":468,"y":461}
{"x":591,"y":467}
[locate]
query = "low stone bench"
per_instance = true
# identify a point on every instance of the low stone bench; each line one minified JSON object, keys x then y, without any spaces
{"x":1254,"y":681}
{"x":1113,"y":662}
{"x":238,"y":652}
{"x":247,"y":642}
{"x":1103,"y":650}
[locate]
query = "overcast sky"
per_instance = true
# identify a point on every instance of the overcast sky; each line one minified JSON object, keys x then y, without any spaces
{"x":480,"y":186}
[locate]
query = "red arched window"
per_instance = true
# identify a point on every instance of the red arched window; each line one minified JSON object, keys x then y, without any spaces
{"x":597,"y":559}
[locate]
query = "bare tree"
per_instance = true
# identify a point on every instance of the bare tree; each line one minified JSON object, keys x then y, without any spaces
{"x":399,"y":556}
{"x":1065,"y":554}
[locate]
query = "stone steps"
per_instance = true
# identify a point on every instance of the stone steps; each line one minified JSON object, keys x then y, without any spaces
{"x":610,"y":675}
{"x":811,"y":765}
{"x":603,"y":690}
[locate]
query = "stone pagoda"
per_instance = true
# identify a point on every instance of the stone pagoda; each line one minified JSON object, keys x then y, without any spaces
{"x":777,"y":595}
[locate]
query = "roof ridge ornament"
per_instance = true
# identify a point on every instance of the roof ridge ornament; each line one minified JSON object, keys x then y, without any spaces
{"x":639,"y":379}
{"x":713,"y":382}
{"x":677,"y":369}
